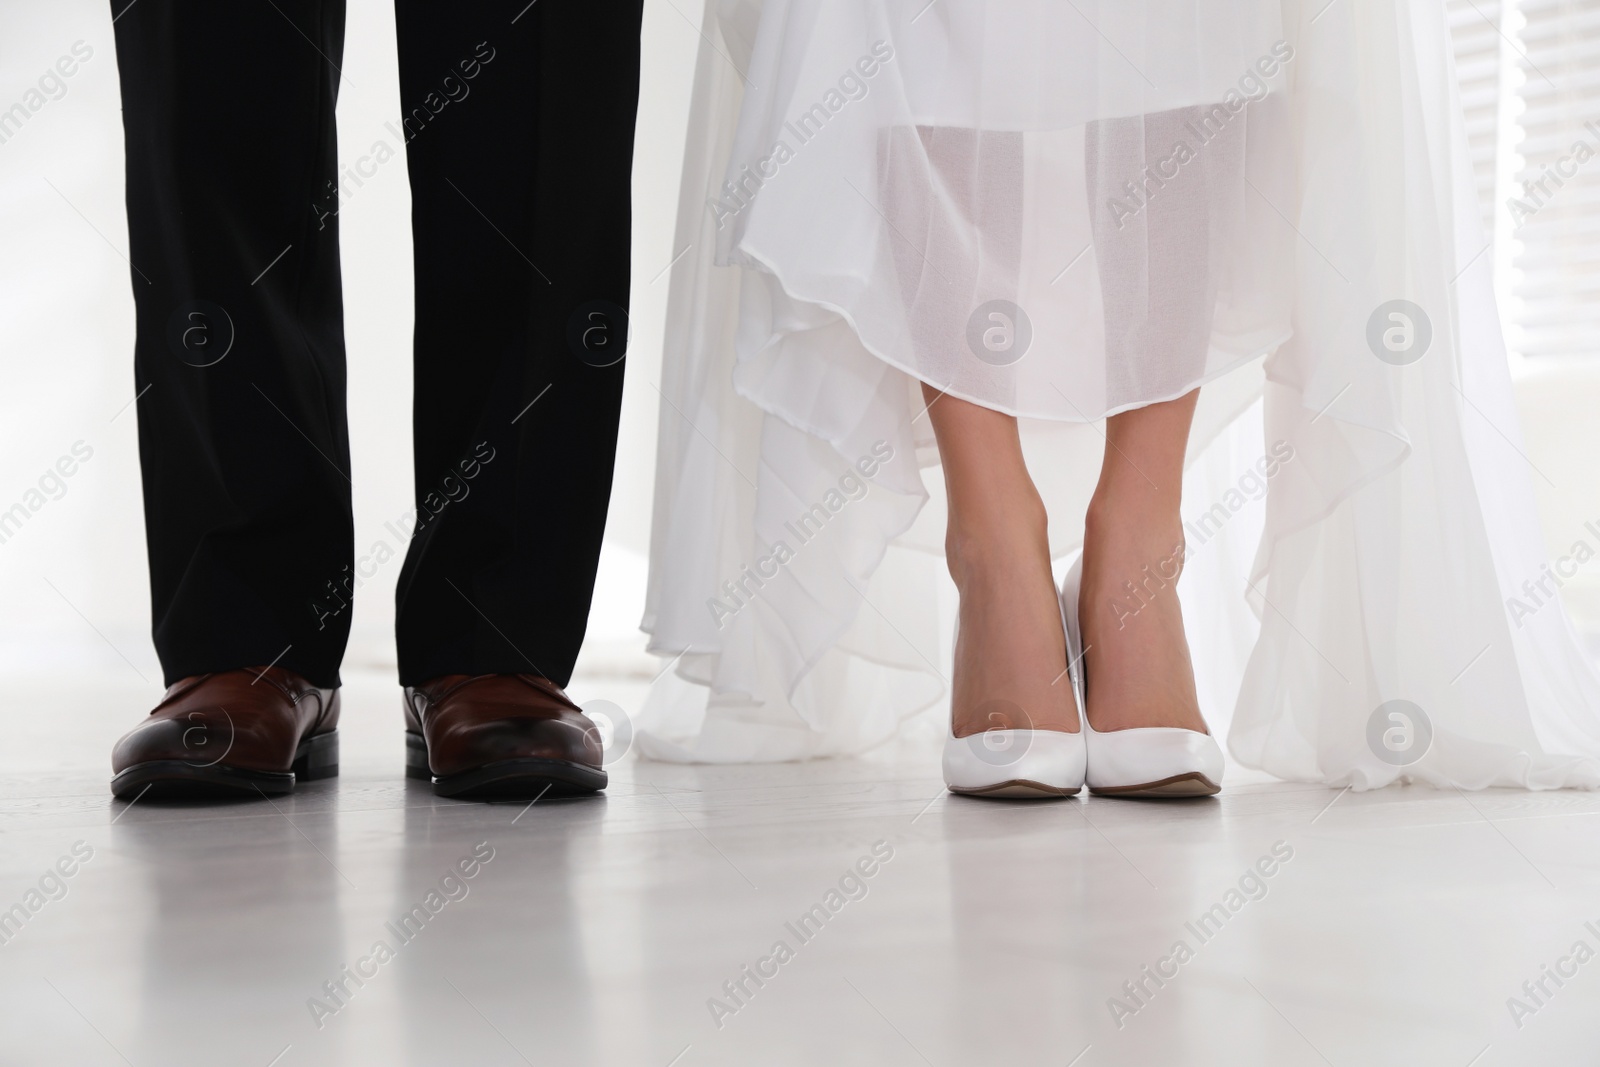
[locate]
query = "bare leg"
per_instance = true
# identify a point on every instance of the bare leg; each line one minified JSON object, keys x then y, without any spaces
{"x":1010,"y":661}
{"x":1139,"y":671}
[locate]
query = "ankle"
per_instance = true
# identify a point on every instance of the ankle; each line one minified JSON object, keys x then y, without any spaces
{"x":1134,"y":518}
{"x":997,"y":539}
{"x":1130,"y":562}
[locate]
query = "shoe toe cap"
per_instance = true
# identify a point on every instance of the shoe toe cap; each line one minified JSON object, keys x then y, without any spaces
{"x":466,"y":745}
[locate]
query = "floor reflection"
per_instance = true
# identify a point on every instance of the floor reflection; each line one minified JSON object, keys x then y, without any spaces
{"x":241,"y":911}
{"x":506,"y":961}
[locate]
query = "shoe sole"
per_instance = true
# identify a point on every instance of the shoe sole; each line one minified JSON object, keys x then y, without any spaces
{"x":512,"y":779}
{"x":1192,"y":784}
{"x":1018,"y":789}
{"x":314,"y":758}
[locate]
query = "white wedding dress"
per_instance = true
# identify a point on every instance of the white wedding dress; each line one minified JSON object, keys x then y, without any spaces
{"x":1065,"y":210}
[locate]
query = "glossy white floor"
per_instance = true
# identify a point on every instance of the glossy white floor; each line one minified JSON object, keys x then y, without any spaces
{"x":1393,"y":928}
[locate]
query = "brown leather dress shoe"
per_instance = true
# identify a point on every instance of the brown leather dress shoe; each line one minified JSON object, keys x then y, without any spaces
{"x":244,"y":732}
{"x":491,"y":736}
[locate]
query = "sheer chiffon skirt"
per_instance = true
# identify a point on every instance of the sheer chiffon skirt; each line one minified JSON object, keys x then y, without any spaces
{"x":1063,"y":211}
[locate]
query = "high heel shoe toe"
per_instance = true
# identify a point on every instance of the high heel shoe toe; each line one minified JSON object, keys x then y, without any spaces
{"x":1020,"y":764}
{"x":1153,"y":761}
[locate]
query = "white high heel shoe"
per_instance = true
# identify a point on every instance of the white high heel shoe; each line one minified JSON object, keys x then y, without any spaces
{"x":1147,"y":761}
{"x":1019,"y":764}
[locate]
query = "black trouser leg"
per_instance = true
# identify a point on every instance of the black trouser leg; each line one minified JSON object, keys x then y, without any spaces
{"x":519,"y":144}
{"x":228,"y":113}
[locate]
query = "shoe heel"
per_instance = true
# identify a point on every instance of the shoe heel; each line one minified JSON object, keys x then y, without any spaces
{"x":417,"y":757}
{"x":317,"y":757}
